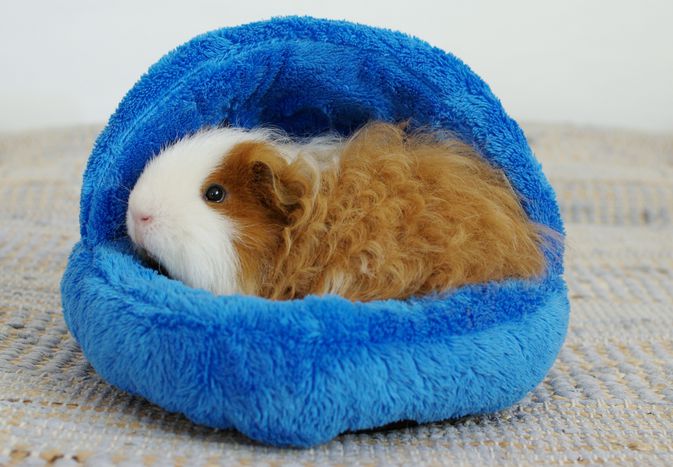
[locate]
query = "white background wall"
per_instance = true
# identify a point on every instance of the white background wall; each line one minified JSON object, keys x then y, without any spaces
{"x":604,"y":63}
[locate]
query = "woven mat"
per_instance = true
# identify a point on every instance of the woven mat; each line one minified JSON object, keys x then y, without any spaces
{"x":608,"y":398}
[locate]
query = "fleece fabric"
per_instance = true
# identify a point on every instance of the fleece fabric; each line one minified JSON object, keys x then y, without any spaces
{"x":300,"y":372}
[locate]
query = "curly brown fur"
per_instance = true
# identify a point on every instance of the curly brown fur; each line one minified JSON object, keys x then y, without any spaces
{"x":399,"y":215}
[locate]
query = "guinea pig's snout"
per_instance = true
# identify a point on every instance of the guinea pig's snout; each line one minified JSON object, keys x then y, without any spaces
{"x":141,"y":217}
{"x":138,"y":223}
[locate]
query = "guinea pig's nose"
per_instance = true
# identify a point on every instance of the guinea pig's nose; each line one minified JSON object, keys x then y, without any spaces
{"x":142,"y":217}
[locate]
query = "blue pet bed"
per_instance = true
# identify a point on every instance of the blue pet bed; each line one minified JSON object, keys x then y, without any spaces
{"x":301,"y":372}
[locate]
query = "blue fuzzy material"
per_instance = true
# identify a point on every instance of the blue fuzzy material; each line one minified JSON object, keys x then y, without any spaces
{"x":301,"y":372}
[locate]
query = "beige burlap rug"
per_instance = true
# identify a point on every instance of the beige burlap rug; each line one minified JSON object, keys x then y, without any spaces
{"x":608,"y":399}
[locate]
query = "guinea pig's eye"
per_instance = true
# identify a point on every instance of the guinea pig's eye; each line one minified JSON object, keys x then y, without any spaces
{"x":215,"y":193}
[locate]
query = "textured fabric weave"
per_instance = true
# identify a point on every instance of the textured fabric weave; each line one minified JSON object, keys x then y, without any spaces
{"x":608,"y":398}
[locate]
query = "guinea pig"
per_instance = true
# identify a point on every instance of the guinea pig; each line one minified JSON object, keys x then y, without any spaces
{"x":384,"y":214}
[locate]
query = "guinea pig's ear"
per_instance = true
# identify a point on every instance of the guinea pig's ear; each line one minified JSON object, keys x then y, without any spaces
{"x":282,"y":187}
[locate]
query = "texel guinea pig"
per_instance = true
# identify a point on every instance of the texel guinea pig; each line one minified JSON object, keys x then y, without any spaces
{"x":385,"y":214}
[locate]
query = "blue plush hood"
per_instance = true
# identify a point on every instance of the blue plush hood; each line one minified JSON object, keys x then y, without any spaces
{"x":301,"y":372}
